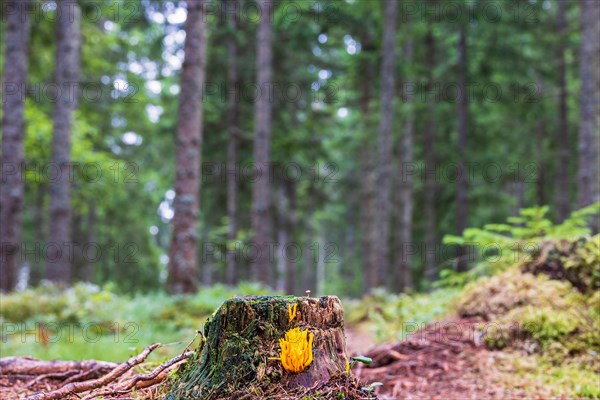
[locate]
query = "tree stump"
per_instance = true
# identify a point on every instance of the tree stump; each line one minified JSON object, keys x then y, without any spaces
{"x":243,"y":337}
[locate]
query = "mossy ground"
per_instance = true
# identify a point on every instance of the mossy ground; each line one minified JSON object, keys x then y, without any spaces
{"x":550,"y":322}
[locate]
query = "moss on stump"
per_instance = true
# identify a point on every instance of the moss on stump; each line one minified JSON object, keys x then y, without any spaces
{"x":244,"y":333}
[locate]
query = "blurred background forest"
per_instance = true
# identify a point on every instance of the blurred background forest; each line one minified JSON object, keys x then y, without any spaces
{"x":423,"y":160}
{"x":388,"y":126}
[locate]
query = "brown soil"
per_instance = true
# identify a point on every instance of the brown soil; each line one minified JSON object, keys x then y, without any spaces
{"x":445,"y":361}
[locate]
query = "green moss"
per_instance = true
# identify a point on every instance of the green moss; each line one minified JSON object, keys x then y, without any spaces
{"x":543,"y":377}
{"x":493,"y":297}
{"x":230,"y":356}
{"x":546,"y":324}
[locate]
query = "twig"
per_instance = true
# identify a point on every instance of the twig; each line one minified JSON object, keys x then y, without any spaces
{"x":82,"y":376}
{"x":151,"y":377}
{"x":60,"y":375}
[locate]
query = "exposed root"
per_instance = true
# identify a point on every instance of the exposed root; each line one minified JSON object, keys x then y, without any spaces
{"x":140,"y":381}
{"x":94,"y":373}
{"x":59,"y":376}
{"x":79,"y":387}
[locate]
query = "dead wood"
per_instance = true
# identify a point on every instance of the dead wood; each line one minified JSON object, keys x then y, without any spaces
{"x":140,"y":381}
{"x":79,"y":387}
{"x":33,"y":366}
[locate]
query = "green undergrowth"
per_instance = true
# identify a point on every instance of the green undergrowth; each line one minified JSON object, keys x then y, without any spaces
{"x":540,"y":378}
{"x":545,"y":306}
{"x":535,"y":312}
{"x":89,"y":322}
{"x":392,"y":317}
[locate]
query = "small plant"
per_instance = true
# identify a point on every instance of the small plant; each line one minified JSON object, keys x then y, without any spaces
{"x":501,"y":246}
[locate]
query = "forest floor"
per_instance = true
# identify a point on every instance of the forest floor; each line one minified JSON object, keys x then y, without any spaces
{"x":444,"y":360}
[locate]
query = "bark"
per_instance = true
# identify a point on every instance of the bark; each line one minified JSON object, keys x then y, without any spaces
{"x":244,"y":333}
{"x":183,"y":267}
{"x":261,"y":190}
{"x":462,"y":184}
{"x":367,"y":183}
{"x":381,"y":252}
{"x":589,"y":129}
{"x":233,"y":158}
{"x":405,"y":187}
{"x":13,"y":132}
{"x":68,"y":64}
{"x":429,"y":170}
{"x":562,"y":134}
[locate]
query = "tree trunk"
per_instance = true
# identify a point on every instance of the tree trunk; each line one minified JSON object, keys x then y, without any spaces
{"x":244,"y":334}
{"x":562,"y":137}
{"x":462,"y":184}
{"x":405,"y":189}
{"x":381,"y":253}
{"x":182,"y":254}
{"x":233,"y":158}
{"x":429,"y":168}
{"x":367,"y":184}
{"x":13,"y":128}
{"x":261,"y":190}
{"x":68,"y":64}
{"x":589,"y":129}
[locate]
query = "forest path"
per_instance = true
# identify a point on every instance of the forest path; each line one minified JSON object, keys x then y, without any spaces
{"x":444,"y":360}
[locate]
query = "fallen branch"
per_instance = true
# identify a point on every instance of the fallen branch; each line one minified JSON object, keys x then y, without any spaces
{"x":78,"y":387}
{"x":33,"y":366}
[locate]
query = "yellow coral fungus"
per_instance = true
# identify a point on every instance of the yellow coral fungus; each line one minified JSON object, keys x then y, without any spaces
{"x":292,"y":312}
{"x":296,"y":350}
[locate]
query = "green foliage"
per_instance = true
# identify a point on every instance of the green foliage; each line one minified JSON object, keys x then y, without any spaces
{"x":80,"y":303}
{"x":537,"y":313}
{"x":500,"y":246}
